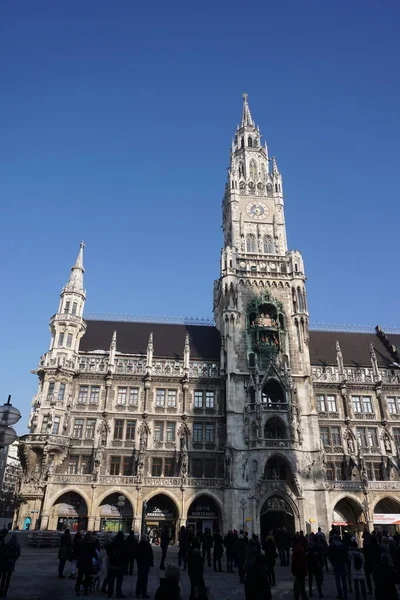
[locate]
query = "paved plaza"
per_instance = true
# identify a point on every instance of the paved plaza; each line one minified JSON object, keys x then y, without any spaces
{"x":35,"y":578}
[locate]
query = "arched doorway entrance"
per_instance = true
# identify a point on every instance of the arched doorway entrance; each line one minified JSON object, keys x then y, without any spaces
{"x":276,"y":513}
{"x":70,"y":511}
{"x":204,"y":513}
{"x":347,"y":515}
{"x":160,"y":513}
{"x":387,"y":515}
{"x":116,"y":513}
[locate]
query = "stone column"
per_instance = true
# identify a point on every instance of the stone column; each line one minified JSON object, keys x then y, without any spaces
{"x":137,"y":525}
{"x":44,"y":521}
{"x":91,"y":522}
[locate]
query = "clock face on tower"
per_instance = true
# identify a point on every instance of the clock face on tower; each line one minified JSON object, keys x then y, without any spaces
{"x":257,"y":210}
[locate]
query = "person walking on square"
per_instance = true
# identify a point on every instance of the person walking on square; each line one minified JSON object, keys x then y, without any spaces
{"x":240,"y":553}
{"x":271,"y":555}
{"x":76,"y":542}
{"x":299,"y":569}
{"x":145,"y":561}
{"x":11,"y":555}
{"x":385,"y":579}
{"x":337,"y":554}
{"x":256,"y":583}
{"x":206,"y":545}
{"x":169,"y":585}
{"x":183,"y":539}
{"x":131,"y":546}
{"x":218,"y":551}
{"x":229,"y":543}
{"x":196,"y":573}
{"x":87,"y":552}
{"x":64,"y":552}
{"x":314,"y":559}
{"x":164,"y":543}
{"x":117,"y":553}
{"x":357,"y":563}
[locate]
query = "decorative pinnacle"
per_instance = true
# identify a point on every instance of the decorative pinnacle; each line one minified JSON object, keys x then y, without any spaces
{"x":75,"y":282}
{"x":246,"y":114}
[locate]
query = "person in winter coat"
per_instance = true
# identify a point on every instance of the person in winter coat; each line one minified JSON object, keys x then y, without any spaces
{"x":64,"y":552}
{"x":337,"y":554}
{"x":164,"y":543}
{"x":87,"y":552}
{"x":117,"y":552}
{"x":11,"y":555}
{"x":183,"y":540}
{"x":131,"y":547}
{"x":256,"y":584}
{"x":240,"y":556}
{"x":206,"y":545}
{"x":385,"y":579}
{"x":229,"y":543}
{"x":299,"y":569}
{"x":315,"y":561}
{"x":372,"y":555}
{"x":145,"y":561}
{"x":169,"y":585}
{"x":196,"y":572}
{"x":76,"y":542}
{"x":218,"y":551}
{"x":251,"y":555}
{"x":271,"y":555}
{"x":357,"y":562}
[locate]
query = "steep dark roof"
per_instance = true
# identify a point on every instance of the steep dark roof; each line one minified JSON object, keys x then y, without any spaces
{"x":354,"y":347}
{"x":168,"y":339}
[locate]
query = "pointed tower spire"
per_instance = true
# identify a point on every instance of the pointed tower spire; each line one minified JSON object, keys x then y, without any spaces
{"x":75,"y":281}
{"x":150,"y":350}
{"x":274,"y":166}
{"x":246,"y":114}
{"x":113,"y":349}
{"x":186,"y":354}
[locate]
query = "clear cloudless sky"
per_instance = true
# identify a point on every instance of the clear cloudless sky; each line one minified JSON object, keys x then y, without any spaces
{"x":115,"y":125}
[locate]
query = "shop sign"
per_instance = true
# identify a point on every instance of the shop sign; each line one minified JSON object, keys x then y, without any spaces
{"x":203,"y":511}
{"x":386,"y":519}
{"x":157,"y":513}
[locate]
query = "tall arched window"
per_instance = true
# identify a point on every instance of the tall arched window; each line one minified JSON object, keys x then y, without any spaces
{"x":263,"y":171}
{"x":242,"y":142}
{"x":250,"y":141}
{"x":304,"y":300}
{"x":298,"y":332}
{"x":300,"y":300}
{"x":241,"y":170}
{"x":253,"y":169}
{"x":268,"y":245}
{"x":251,"y":243}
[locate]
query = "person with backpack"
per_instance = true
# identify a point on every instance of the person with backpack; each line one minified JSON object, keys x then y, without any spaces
{"x":357,"y":562}
{"x":64,"y":552}
{"x":117,"y":553}
{"x":76,"y":542}
{"x":11,"y":555}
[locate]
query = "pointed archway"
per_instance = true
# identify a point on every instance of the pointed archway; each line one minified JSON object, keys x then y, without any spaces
{"x":69,"y":511}
{"x":116,"y":513}
{"x":276,"y":513}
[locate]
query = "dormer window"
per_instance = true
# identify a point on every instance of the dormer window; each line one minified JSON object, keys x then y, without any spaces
{"x":250,"y":141}
{"x":74,"y":308}
{"x":69,"y":340}
{"x":66,"y":306}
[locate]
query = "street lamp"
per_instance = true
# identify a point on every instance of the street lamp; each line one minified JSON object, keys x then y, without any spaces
{"x":243,"y":506}
{"x":120,"y":504}
{"x":9,"y":415}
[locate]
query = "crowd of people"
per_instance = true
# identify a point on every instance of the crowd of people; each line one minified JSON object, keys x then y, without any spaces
{"x":373,"y":567}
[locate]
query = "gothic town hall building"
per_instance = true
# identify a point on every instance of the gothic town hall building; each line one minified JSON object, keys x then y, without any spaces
{"x":256,"y":420}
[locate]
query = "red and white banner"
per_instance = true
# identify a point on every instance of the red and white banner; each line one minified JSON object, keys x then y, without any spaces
{"x":386,"y":519}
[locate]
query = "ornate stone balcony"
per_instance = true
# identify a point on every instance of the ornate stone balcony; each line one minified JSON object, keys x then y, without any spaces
{"x":42,"y":438}
{"x":264,"y":407}
{"x":137,"y":366}
{"x":353,"y":375}
{"x":66,"y":478}
{"x":358,"y":485}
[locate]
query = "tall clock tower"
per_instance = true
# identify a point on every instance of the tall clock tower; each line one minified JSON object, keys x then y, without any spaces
{"x":272,"y":460}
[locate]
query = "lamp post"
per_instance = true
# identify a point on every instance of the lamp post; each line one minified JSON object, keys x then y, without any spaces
{"x":243,"y":506}
{"x":120,"y":504}
{"x":9,"y":415}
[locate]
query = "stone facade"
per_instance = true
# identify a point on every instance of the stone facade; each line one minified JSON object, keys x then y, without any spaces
{"x":258,"y":421}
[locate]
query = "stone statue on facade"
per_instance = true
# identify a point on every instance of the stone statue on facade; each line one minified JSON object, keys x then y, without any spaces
{"x":33,"y":422}
{"x":103,"y":430}
{"x":144,"y":432}
{"x":349,"y":438}
{"x":387,"y":441}
{"x":228,"y":466}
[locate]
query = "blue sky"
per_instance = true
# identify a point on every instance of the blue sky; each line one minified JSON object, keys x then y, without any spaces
{"x":116,"y":120}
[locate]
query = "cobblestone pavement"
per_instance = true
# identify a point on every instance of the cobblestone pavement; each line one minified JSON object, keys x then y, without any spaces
{"x":35,"y":578}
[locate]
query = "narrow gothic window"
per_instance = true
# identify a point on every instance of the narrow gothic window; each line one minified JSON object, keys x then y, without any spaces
{"x":298,"y":334}
{"x":242,"y":143}
{"x":268,"y":245}
{"x":251,"y":242}
{"x":253,"y":169}
{"x":300,"y":300}
{"x":263,"y":172}
{"x":241,"y":170}
{"x":250,"y":141}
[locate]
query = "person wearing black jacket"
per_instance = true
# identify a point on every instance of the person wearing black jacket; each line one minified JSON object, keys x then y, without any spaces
{"x":229,"y":543}
{"x":131,"y":546}
{"x":196,"y":572}
{"x":164,"y":543}
{"x":169,"y":585}
{"x":117,"y":552}
{"x":76,"y":542}
{"x":87,"y":551}
{"x":256,"y":582}
{"x":64,"y":552}
{"x":183,"y":539}
{"x":206,"y":545}
{"x":218,"y":551}
{"x":385,"y":579}
{"x":145,"y":561}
